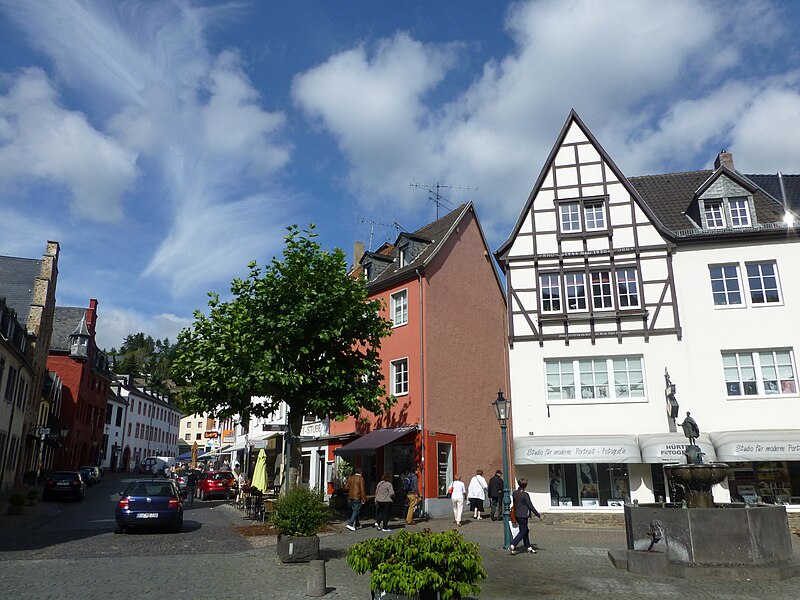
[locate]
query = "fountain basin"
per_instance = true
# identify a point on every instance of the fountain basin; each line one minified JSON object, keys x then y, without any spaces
{"x":729,"y":541}
{"x":697,"y":481}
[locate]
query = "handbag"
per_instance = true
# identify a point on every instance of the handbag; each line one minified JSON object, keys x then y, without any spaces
{"x":513,"y":514}
{"x":450,"y":492}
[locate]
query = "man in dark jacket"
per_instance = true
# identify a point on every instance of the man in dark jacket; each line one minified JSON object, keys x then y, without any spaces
{"x":496,"y":485}
{"x":523,"y":508}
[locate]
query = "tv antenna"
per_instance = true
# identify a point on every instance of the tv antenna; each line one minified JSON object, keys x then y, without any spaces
{"x":435,"y":194}
{"x":397,"y":227}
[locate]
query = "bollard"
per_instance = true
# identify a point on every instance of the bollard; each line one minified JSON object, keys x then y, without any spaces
{"x":316,"y":579}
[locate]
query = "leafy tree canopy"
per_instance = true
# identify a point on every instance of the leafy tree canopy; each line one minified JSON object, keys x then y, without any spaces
{"x":145,"y":358}
{"x":300,"y":331}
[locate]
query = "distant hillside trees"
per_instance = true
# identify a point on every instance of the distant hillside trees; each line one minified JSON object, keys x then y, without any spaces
{"x":147,"y":359}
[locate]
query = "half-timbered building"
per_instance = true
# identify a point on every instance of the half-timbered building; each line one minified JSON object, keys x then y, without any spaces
{"x":619,"y":288}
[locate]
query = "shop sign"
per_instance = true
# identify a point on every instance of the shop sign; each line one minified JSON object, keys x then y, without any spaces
{"x":311,"y":429}
{"x":620,"y":449}
{"x":760,"y":450}
{"x":670,"y":448}
{"x":228,"y":436}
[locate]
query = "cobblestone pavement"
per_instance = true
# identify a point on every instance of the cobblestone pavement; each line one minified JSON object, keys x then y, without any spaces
{"x":210,"y":560}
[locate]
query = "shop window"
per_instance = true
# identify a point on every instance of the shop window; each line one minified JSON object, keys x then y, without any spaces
{"x":589,"y":485}
{"x":444,"y":453}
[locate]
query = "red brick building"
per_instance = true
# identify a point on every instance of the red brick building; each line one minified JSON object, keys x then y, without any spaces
{"x":444,"y":362}
{"x":86,"y":379}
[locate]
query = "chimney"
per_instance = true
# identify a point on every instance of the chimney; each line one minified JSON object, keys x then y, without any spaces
{"x":358,"y":252}
{"x":724,"y":159}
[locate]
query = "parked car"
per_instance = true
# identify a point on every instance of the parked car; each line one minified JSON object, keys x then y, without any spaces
{"x":214,"y":483}
{"x":64,"y":484}
{"x":149,"y":503}
{"x":88,"y":475}
{"x":94,"y":474}
{"x":182,"y":482}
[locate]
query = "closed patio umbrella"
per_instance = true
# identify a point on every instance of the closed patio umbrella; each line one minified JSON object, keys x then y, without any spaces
{"x":194,"y":455}
{"x":260,"y":472}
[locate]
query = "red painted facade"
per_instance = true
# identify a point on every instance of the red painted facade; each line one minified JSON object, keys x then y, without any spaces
{"x":455,"y":344}
{"x":84,"y":399}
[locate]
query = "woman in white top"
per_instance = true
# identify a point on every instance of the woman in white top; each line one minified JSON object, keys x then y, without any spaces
{"x":458,"y":492}
{"x":477,"y":494}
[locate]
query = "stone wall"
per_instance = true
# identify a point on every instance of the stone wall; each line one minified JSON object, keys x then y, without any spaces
{"x":584,"y":519}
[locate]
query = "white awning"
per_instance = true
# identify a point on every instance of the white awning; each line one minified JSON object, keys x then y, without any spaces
{"x":670,"y":447}
{"x":576,"y":449}
{"x":763,"y":445}
{"x":253,"y":440}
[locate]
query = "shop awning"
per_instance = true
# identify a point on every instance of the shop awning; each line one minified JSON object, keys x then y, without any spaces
{"x":554,"y":449}
{"x":670,"y":447}
{"x":253,"y":440}
{"x":759,"y":445}
{"x":374,"y":440}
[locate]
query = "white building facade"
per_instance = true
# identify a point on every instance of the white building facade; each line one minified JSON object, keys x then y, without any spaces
{"x":618,"y":288}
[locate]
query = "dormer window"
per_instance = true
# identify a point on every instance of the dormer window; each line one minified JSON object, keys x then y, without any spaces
{"x":714,"y":216}
{"x":79,"y":341}
{"x":367,"y":268}
{"x":740,"y":213}
{"x":403,"y":256}
{"x":582,"y":215}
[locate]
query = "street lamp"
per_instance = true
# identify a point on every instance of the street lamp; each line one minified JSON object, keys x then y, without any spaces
{"x":501,"y":407}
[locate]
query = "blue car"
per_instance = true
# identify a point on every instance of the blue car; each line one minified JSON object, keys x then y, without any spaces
{"x":150,"y":503}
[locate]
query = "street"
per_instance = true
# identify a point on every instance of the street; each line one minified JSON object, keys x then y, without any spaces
{"x":65,"y":550}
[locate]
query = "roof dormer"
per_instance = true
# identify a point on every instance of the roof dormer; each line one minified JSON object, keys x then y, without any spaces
{"x":79,"y":341}
{"x":725,"y":200}
{"x":374,"y":263}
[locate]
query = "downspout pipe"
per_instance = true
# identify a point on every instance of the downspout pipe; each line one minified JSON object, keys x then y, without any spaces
{"x":422,"y":387}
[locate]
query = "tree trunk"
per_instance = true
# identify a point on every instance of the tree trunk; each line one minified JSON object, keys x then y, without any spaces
{"x":295,"y":419}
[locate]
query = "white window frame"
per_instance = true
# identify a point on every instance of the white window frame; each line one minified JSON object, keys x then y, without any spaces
{"x":399,"y":301}
{"x":739,"y":209}
{"x":595,"y":380}
{"x":761,"y":278}
{"x":402,"y":256}
{"x":714,"y":211}
{"x":726,"y":282}
{"x":602,"y":298}
{"x":628,"y":299}
{"x":767,"y":373}
{"x":399,"y":377}
{"x":594,"y":215}
{"x":569,"y":214}
{"x":573,"y":282}
{"x":550,"y":282}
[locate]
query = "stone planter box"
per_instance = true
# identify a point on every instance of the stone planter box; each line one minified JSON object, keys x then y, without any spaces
{"x":293,"y":549}
{"x":425,"y":595}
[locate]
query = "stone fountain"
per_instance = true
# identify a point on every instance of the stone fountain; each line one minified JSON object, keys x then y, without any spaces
{"x":699,"y":538}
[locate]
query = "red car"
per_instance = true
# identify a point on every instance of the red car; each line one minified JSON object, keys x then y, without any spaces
{"x":214,"y":483}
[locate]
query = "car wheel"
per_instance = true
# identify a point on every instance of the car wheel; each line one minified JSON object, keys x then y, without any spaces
{"x":202,"y":495}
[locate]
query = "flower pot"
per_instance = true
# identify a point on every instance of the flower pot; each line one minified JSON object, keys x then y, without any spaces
{"x":292,"y":549}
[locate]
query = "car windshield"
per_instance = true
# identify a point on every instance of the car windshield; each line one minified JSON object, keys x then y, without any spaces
{"x":149,"y":489}
{"x":221,"y":476}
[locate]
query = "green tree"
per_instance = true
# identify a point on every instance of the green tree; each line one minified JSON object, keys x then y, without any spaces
{"x":300,"y":331}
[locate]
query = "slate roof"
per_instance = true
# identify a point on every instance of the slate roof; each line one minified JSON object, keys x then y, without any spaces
{"x":17,"y":278}
{"x":771,"y":185}
{"x":435,"y":233}
{"x":66,"y":319}
{"x":669,"y":196}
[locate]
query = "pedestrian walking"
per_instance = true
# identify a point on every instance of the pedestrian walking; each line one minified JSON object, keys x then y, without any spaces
{"x":496,"y":485}
{"x":191,"y":486}
{"x":155,"y":469}
{"x":477,"y":494}
{"x":412,"y":494}
{"x":356,"y":496}
{"x":384,"y":492}
{"x":523,"y":508}
{"x":458,"y":491}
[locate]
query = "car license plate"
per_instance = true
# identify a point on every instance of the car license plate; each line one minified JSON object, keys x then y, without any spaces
{"x":64,"y":483}
{"x":147,"y":516}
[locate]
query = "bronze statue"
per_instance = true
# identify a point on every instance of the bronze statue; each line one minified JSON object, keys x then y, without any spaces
{"x":690,"y":428}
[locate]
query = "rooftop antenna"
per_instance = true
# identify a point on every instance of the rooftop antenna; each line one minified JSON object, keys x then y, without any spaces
{"x":435,"y":194}
{"x":397,"y":227}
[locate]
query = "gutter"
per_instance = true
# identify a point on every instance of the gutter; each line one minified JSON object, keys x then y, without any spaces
{"x":422,"y":385}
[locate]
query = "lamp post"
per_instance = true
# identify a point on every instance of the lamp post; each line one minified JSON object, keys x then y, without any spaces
{"x":501,"y":407}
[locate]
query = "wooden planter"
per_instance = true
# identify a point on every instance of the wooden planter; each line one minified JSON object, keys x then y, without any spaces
{"x":292,"y":549}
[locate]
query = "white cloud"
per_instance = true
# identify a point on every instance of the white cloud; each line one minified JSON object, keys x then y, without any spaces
{"x":40,"y":140}
{"x":659,"y":83}
{"x":115,"y":323}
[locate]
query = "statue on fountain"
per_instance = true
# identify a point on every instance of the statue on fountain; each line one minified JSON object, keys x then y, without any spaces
{"x":690,"y":428}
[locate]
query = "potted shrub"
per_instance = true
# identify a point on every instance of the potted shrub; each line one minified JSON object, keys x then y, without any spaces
{"x":298,"y":516}
{"x":16,"y":504}
{"x":33,"y":496}
{"x":419,"y":565}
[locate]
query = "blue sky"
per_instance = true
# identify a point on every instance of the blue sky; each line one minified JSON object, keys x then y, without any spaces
{"x":166,"y":144}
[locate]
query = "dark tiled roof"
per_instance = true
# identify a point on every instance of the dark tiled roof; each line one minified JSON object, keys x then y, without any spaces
{"x":17,"y":278}
{"x":771,"y":185}
{"x":435,"y":232}
{"x":670,"y":195}
{"x":65,"y":320}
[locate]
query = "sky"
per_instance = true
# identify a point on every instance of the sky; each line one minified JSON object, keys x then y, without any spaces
{"x":167,"y":144}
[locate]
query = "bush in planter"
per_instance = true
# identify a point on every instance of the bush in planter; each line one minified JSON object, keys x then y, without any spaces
{"x":300,"y":512}
{"x":16,"y":503}
{"x":32,"y":497}
{"x":410,"y":563}
{"x":298,"y":516}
